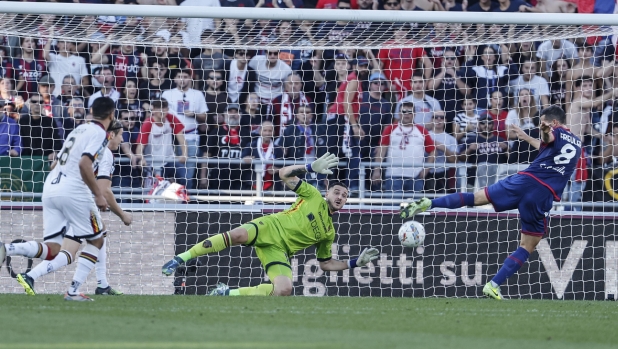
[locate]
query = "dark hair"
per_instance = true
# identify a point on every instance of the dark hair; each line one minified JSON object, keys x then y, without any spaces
{"x":407,"y":104}
{"x":159,"y":104}
{"x":102,"y":107}
{"x":554,"y":112}
{"x":337,"y":183}
{"x":115,"y":127}
{"x":581,"y":80}
{"x":184,"y":71}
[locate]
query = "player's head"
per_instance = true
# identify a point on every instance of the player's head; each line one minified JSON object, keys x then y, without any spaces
{"x":115,"y":135}
{"x":103,"y":110}
{"x":336,"y":195}
{"x":554,"y":115}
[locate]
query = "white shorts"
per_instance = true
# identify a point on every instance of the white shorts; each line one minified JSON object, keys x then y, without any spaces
{"x":72,"y":218}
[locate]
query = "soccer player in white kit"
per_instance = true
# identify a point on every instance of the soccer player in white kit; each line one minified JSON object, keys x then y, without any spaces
{"x":71,"y":198}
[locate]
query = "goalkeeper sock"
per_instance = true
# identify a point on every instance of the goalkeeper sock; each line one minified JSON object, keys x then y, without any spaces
{"x":45,"y":267}
{"x":86,"y":261}
{"x":212,"y":244}
{"x":30,"y":249}
{"x":259,"y":290}
{"x":511,"y":265}
{"x":456,"y":200}
{"x":101,"y":267}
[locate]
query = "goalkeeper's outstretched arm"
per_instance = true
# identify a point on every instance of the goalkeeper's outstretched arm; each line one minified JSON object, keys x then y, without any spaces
{"x":365,"y":257}
{"x":289,"y":174}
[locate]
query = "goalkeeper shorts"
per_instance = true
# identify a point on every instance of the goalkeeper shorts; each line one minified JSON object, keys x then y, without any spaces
{"x":264,"y":235}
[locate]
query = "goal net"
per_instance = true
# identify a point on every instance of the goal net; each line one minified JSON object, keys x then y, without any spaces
{"x":413,"y":104}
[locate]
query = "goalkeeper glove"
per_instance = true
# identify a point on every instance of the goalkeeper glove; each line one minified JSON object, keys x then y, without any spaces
{"x":323,"y":164}
{"x":365,"y":257}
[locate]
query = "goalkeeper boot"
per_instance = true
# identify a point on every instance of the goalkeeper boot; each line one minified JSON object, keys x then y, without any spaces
{"x":170,"y":267}
{"x":107,"y":291}
{"x":492,"y":292}
{"x":27,"y":283}
{"x":77,"y":298}
{"x":413,"y":208}
{"x":220,"y":290}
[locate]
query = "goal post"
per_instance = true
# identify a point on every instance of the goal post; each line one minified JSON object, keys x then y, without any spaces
{"x":253,"y":90}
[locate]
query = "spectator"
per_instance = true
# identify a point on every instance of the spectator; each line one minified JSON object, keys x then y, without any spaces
{"x":609,"y":156}
{"x":551,"y":50}
{"x":535,"y":84}
{"x":129,"y":175}
{"x":68,"y":90}
{"x":511,"y":6}
{"x":446,"y":152}
{"x":399,"y":63}
{"x":483,"y":6}
{"x":271,"y":73}
{"x":584,"y":108}
{"x":334,"y":34}
{"x":125,"y":63}
{"x":488,"y":76}
{"x":421,"y":5}
{"x":498,"y":114}
{"x":452,"y":5}
{"x":521,"y":151}
{"x":283,"y":108}
{"x":6,"y":67}
{"x":39,"y":136}
{"x":524,"y":114}
{"x":155,"y":140}
{"x":195,"y":26}
{"x":523,"y":51}
{"x":252,"y":113}
{"x":216,"y":96}
{"x":584,"y":67}
{"x":8,"y":93}
{"x":73,"y":116}
{"x":189,"y":106}
{"x":239,"y":77}
{"x":332,"y":4}
{"x":405,"y":5}
{"x":486,"y":150}
{"x":314,"y":84}
{"x":557,"y":87}
{"x":375,"y":112}
{"x":224,"y":142}
{"x":466,"y":121}
{"x":66,"y":61}
{"x":336,"y":76}
{"x":27,"y":69}
{"x":447,"y":84}
{"x":288,"y":34}
{"x":10,"y":141}
{"x":298,"y":140}
{"x":403,"y":147}
{"x":424,"y":106}
{"x":264,"y":149}
{"x":209,"y":58}
{"x":151,"y":88}
{"x":105,"y":77}
{"x":129,"y":99}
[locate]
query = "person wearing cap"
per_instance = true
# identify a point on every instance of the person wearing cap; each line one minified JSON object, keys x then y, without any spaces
{"x":375,"y":111}
{"x":189,"y":106}
{"x":66,"y":61}
{"x":486,"y":150}
{"x":225,"y":142}
{"x":282,"y":110}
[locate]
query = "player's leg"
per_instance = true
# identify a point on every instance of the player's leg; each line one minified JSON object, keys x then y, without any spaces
{"x":33,"y":249}
{"x":241,"y":235}
{"x":85,"y":263}
{"x":451,"y":201}
{"x":103,"y":287}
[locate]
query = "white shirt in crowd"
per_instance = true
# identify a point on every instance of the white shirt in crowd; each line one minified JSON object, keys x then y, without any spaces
{"x":449,"y":142}
{"x":59,"y":66}
{"x":406,"y":147}
{"x":236,"y":81}
{"x":512,"y":118}
{"x":549,"y":54}
{"x":538,"y":87}
{"x":190,"y":100}
{"x":423,"y":108}
{"x":113,"y":94}
{"x":270,"y":81}
{"x":196,"y":26}
{"x":463,"y":120}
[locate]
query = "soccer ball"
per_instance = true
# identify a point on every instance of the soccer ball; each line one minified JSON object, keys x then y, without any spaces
{"x":411,"y":234}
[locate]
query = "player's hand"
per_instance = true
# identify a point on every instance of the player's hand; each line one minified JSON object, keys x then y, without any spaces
{"x":324,"y":163}
{"x":127,"y":218}
{"x":367,"y":256}
{"x":101,"y":203}
{"x":545,"y":127}
{"x":518,"y":131}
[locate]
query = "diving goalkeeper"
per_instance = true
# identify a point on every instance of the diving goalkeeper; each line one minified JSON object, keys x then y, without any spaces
{"x":278,"y":236}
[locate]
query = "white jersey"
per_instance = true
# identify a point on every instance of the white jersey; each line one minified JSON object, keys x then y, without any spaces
{"x":65,"y":179}
{"x":104,"y":168}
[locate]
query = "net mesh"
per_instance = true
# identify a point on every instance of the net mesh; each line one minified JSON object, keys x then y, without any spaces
{"x":214,"y":107}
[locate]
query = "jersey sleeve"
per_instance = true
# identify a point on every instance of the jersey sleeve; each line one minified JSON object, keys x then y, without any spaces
{"x":177,"y":126}
{"x":144,"y":133}
{"x":385,"y":140}
{"x":323,"y":250}
{"x":95,"y":140}
{"x":106,"y":165}
{"x":306,"y":190}
{"x":429,"y":144}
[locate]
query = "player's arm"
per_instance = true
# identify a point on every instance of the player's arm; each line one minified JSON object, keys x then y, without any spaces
{"x":289,"y":174}
{"x":105,"y":184}
{"x":525,"y":137}
{"x":85,"y":169}
{"x":363,"y":259}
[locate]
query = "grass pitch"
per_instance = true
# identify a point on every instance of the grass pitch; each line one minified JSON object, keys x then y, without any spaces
{"x":183,"y":322}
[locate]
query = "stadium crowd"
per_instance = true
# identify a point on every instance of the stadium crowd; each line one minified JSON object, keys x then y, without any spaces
{"x":417,"y":110}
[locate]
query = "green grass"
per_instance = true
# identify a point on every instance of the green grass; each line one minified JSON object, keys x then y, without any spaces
{"x":183,"y":322}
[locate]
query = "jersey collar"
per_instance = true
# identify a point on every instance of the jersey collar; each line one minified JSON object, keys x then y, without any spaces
{"x":99,"y":124}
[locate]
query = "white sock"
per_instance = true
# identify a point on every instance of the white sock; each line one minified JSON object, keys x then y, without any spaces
{"x":30,"y":249}
{"x":493,"y":284}
{"x":101,"y":267}
{"x":86,"y":261}
{"x":45,"y":267}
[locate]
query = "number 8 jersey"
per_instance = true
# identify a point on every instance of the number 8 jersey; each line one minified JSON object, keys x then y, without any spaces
{"x":65,"y":179}
{"x":556,"y":162}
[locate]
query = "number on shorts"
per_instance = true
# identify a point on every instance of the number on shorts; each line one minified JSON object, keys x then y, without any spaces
{"x":567,"y":153}
{"x":64,"y":155}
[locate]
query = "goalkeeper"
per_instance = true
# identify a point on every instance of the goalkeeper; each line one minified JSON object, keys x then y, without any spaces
{"x":278,"y":236}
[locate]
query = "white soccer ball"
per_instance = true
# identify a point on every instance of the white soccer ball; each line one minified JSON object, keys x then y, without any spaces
{"x":411,"y":234}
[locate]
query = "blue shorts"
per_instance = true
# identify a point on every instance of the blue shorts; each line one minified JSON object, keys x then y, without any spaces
{"x":531,"y":198}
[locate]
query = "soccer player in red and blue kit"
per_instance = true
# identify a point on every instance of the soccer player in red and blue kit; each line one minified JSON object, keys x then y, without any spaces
{"x":531,"y":191}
